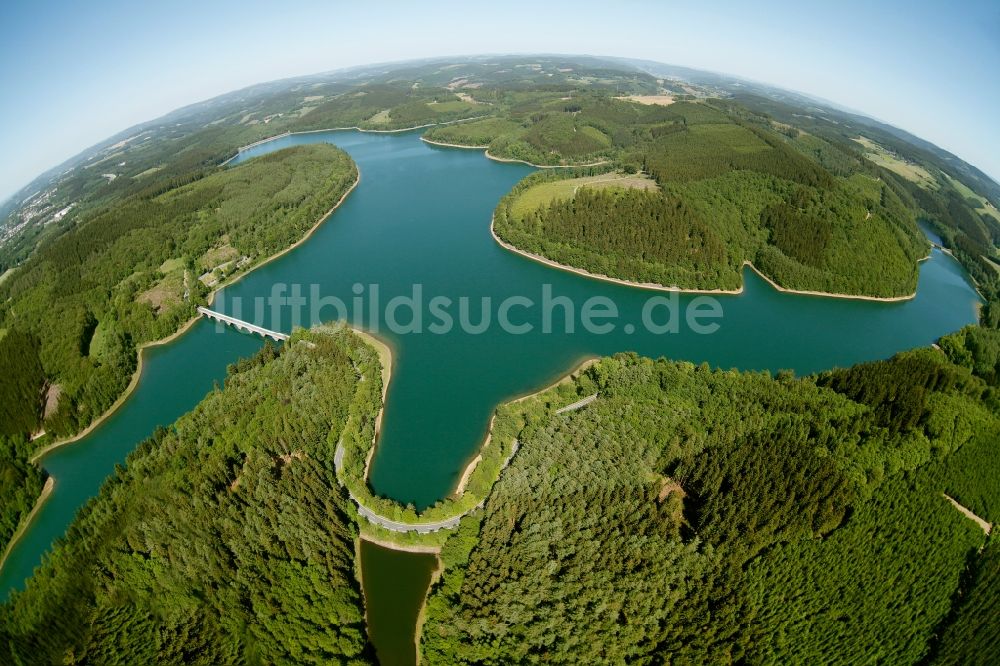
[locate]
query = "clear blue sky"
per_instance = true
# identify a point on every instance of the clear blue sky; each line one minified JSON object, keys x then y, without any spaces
{"x":73,"y":73}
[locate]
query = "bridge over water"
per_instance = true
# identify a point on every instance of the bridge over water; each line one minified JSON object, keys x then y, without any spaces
{"x":242,"y":325}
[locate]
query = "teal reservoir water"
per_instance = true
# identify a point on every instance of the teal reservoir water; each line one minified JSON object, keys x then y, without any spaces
{"x":174,"y":378}
{"x":421,"y":216}
{"x":395,"y":584}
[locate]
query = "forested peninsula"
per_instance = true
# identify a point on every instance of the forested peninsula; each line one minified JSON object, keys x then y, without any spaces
{"x":707,"y":516}
{"x":648,"y":524}
{"x":83,"y":305}
{"x":729,"y":189}
{"x":822,"y":203}
{"x":225,"y":538}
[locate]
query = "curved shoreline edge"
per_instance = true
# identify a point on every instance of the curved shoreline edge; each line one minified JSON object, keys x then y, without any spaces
{"x":45,"y":450}
{"x":385,"y":355}
{"x":510,"y":160}
{"x":22,"y":528}
{"x":418,"y":629}
{"x":653,"y":286}
{"x":37,"y":457}
{"x":243,"y":149}
{"x":386,"y":361}
{"x":470,"y":467}
{"x":415,"y":549}
{"x":448,"y":522}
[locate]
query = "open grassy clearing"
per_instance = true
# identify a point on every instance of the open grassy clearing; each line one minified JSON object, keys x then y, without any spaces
{"x":965,"y":191}
{"x":167,"y":292}
{"x":882,"y":157}
{"x":380,"y":118}
{"x":596,"y":135}
{"x":545,"y":193}
{"x":992,"y":262}
{"x":218,"y":256}
{"x":148,"y":172}
{"x":659,"y":100}
{"x":991,"y":211}
{"x":171,"y":265}
{"x":452,"y":106}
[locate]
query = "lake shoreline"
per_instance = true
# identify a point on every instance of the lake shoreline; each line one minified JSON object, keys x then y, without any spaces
{"x":510,"y":160}
{"x":470,"y":466}
{"x":418,"y":628}
{"x":45,"y":450}
{"x":439,"y":571}
{"x":598,"y":276}
{"x":659,"y":287}
{"x":355,"y":128}
{"x":22,"y":528}
{"x":405,"y":548}
{"x":386,"y":361}
{"x":37,"y":456}
{"x":825,"y":294}
{"x":442,"y":144}
{"x":421,"y":610}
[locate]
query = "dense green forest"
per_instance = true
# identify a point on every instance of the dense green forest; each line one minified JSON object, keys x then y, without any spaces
{"x":134,"y":271}
{"x":571,"y":125}
{"x":711,"y":515}
{"x":21,"y":389}
{"x":20,"y":484}
{"x":966,"y":219}
{"x":795,"y":193}
{"x":691,"y":515}
{"x":687,"y":514}
{"x":22,"y":405}
{"x":799,"y":194}
{"x":731,"y":191}
{"x":197,"y":138}
{"x":225,"y":539}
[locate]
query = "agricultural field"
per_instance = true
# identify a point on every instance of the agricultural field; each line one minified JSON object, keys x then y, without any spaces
{"x":730,"y":191}
{"x":908,"y":170}
{"x":984,"y":207}
{"x":134,"y":278}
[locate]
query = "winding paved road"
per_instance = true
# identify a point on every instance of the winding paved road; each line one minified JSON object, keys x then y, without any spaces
{"x":433,"y":526}
{"x":395,"y":525}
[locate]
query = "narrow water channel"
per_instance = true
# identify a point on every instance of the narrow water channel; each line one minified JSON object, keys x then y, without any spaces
{"x":395,"y":584}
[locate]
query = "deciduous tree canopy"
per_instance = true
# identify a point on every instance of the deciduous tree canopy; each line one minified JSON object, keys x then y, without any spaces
{"x":703,"y":516}
{"x":225,"y":539}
